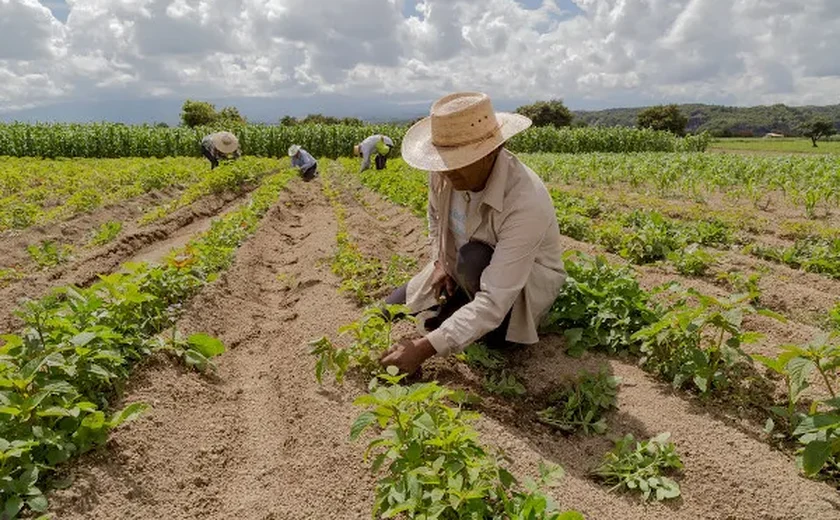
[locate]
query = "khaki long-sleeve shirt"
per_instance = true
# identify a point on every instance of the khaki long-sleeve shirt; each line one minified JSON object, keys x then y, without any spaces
{"x":516,"y":217}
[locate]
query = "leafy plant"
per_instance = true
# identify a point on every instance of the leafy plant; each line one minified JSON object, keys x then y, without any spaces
{"x":434,"y":465}
{"x":795,"y":370}
{"x":478,"y":355}
{"x":107,"y":232}
{"x":600,"y":306}
{"x":581,"y":405}
{"x":642,"y":467}
{"x":741,"y":283}
{"x":196,"y":351}
{"x":699,"y":344}
{"x":504,"y":384}
{"x":691,"y":260}
{"x":49,"y":254}
{"x":834,"y":317}
{"x":371,"y":336}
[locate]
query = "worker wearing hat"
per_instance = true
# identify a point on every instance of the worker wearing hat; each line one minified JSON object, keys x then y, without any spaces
{"x":220,"y":145}
{"x":495,"y":244}
{"x":377,"y":144}
{"x":302,"y":160}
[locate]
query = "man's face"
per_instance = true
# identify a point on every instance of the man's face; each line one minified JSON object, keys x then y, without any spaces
{"x":472,"y":176}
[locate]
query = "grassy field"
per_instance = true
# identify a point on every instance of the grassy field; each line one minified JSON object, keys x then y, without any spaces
{"x":779,"y":145}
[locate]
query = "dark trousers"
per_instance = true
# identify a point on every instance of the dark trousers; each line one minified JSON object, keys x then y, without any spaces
{"x":309,"y":173}
{"x":210,"y":157}
{"x":380,"y":161}
{"x":473,"y":258}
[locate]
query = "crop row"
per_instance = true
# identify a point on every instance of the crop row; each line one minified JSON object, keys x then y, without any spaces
{"x":57,"y":376}
{"x":118,"y":140}
{"x":809,"y":182}
{"x":641,"y":236}
{"x":365,"y":278}
{"x":35,"y":191}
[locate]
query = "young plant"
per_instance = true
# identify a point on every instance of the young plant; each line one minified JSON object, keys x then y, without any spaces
{"x":581,"y":405}
{"x":479,"y":356}
{"x":741,"y":283}
{"x":371,"y":336}
{"x":600,"y":306}
{"x":691,"y":260}
{"x":48,"y":254}
{"x":642,"y":467}
{"x":794,"y":370}
{"x":699,"y":344}
{"x":434,"y":465}
{"x":107,"y":232}
{"x":504,"y":384}
{"x":834,"y":317}
{"x":196,"y":351}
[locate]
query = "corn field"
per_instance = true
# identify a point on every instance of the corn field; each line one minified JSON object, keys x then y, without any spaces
{"x":111,"y":140}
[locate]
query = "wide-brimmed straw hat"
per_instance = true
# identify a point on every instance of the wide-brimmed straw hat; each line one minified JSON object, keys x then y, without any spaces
{"x":293,"y":150}
{"x":357,"y":150}
{"x":462,"y":128}
{"x":225,"y":142}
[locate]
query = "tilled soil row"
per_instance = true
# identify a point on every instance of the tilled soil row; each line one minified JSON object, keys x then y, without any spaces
{"x":134,"y":243}
{"x":263,"y":441}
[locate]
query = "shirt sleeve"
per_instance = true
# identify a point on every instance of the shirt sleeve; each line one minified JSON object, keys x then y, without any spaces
{"x":501,"y":283}
{"x":433,"y":218}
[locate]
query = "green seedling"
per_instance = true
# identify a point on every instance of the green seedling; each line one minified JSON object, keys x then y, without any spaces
{"x":642,"y":467}
{"x":107,"y":232}
{"x":582,"y":404}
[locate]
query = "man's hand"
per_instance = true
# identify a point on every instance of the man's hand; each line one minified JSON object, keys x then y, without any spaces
{"x":442,"y":283}
{"x":408,"y":355}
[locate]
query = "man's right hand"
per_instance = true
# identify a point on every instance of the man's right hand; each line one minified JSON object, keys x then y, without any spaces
{"x":442,"y":283}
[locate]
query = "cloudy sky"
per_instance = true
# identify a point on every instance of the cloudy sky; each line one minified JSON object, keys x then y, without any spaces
{"x":139,"y":59}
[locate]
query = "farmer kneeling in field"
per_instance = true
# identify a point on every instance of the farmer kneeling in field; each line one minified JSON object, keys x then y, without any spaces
{"x":376,"y":144}
{"x":220,"y":145}
{"x":302,"y":160}
{"x":497,"y":259}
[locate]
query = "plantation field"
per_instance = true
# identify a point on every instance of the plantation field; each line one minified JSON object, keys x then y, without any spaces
{"x":782,"y":145}
{"x":689,"y":275}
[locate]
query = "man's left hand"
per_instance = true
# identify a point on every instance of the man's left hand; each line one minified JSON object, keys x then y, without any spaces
{"x":408,"y":355}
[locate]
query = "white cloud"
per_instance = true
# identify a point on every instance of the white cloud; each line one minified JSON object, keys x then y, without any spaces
{"x":634,"y":51}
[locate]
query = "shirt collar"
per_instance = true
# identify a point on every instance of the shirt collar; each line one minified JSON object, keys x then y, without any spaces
{"x":494,"y":192}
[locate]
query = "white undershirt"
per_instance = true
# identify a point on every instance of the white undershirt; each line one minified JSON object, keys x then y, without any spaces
{"x":459,"y":208}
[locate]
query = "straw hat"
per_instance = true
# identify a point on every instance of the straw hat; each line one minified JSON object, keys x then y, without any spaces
{"x":357,"y":150}
{"x":293,"y":150}
{"x":225,"y":142}
{"x":462,"y":128}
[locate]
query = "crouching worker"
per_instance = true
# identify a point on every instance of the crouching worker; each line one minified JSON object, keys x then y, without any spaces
{"x":220,"y":145}
{"x":497,"y":258}
{"x":377,"y":146}
{"x":302,"y":160}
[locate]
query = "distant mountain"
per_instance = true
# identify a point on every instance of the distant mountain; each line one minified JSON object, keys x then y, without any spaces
{"x":724,"y":121}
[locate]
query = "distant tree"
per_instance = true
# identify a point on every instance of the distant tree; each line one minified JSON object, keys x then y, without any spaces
{"x":818,"y":129}
{"x":579,"y":123}
{"x":198,"y":113}
{"x":663,"y":117}
{"x":161,"y":125}
{"x":231,"y":116}
{"x":288,"y":121}
{"x":545,"y":113}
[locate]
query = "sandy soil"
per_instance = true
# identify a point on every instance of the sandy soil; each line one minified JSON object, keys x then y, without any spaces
{"x":263,"y":441}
